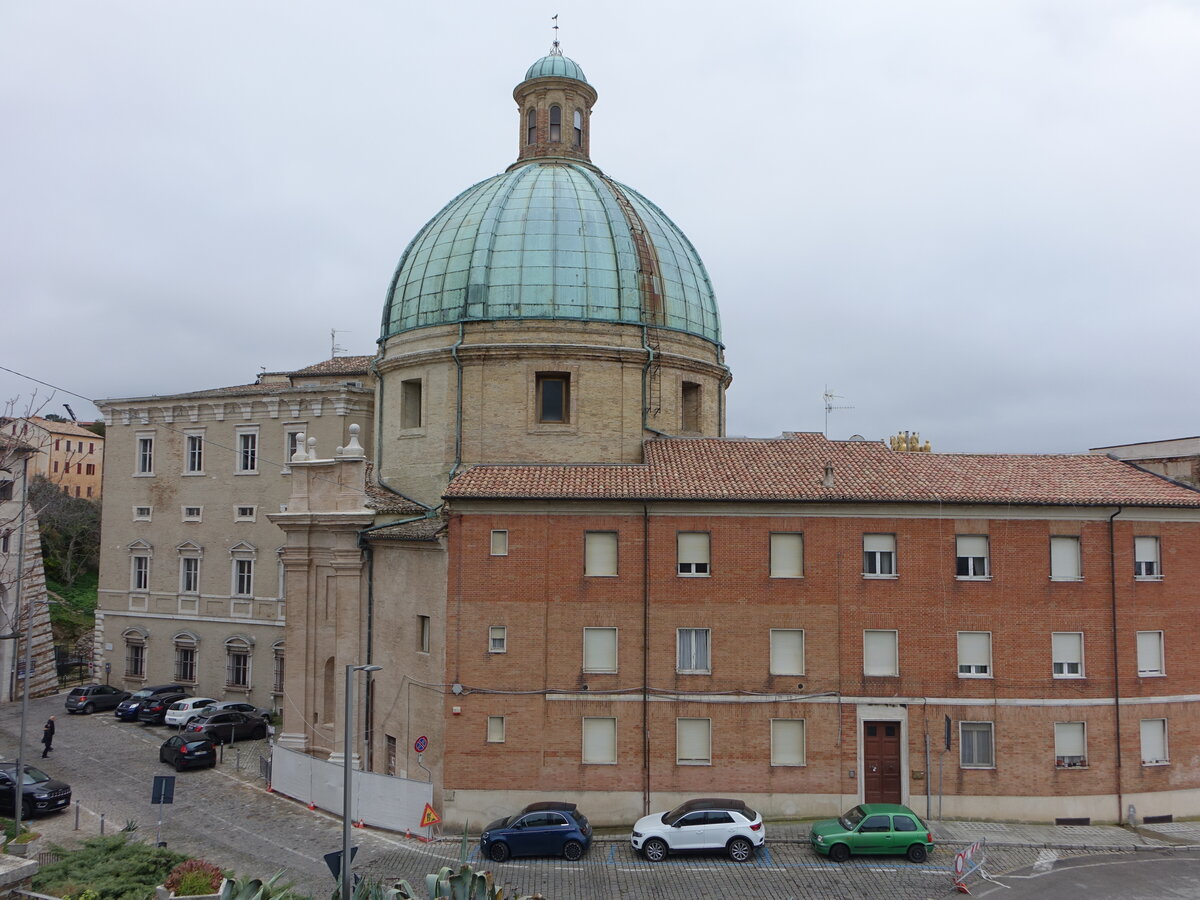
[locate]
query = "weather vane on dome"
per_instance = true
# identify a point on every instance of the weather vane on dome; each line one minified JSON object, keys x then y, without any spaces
{"x":555,"y":50}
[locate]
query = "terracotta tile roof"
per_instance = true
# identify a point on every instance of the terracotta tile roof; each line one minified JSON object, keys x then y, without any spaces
{"x":338,"y":365}
{"x":424,"y":530}
{"x":64,"y":428}
{"x":792,"y":469}
{"x":385,"y":500}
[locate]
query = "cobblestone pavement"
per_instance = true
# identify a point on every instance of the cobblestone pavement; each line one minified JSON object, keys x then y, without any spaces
{"x":227,"y":816}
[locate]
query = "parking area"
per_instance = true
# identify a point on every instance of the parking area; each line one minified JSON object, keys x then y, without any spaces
{"x":226,"y":815}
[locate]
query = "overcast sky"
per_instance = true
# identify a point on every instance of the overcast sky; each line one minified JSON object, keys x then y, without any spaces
{"x":977,"y":220}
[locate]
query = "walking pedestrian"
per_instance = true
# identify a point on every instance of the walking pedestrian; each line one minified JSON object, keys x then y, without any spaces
{"x":48,"y":736}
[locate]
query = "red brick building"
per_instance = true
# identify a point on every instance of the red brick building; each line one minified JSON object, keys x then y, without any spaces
{"x":800,"y":622}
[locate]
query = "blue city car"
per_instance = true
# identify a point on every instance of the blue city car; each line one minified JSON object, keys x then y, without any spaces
{"x":540,"y":829}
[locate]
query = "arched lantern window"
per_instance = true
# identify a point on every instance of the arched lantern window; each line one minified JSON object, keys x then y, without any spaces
{"x":578,"y":129}
{"x":531,"y":126}
{"x":555,"y":124}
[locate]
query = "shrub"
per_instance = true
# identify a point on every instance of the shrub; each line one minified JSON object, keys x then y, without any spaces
{"x":112,"y":867}
{"x":194,"y":876}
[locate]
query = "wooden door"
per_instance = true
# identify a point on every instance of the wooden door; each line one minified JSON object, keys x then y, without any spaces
{"x":881,"y":762}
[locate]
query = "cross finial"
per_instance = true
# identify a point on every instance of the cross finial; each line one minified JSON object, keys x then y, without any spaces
{"x":555,"y":49}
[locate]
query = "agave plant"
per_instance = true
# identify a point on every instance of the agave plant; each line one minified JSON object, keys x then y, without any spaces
{"x":257,"y":889}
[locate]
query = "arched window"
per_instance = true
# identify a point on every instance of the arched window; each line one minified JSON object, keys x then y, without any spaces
{"x":135,"y":651}
{"x":578,"y":128}
{"x":531,"y":126}
{"x":277,"y":674}
{"x":237,"y":662}
{"x":555,"y":124}
{"x":186,"y":648}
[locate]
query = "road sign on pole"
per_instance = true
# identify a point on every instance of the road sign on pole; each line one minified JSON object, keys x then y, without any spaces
{"x":420,"y":744}
{"x":163,"y":790}
{"x":334,"y":861}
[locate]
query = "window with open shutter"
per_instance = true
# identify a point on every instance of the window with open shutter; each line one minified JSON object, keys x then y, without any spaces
{"x":972,"y":556}
{"x":974,"y":654}
{"x":693,"y":552}
{"x":1067,"y":650}
{"x":1145,"y":558}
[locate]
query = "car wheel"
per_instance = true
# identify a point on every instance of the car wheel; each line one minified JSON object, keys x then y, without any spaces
{"x":258,"y":734}
{"x":26,"y":810}
{"x":917,"y":853}
{"x":839,"y":853}
{"x":179,"y":765}
{"x":572,"y":850}
{"x":498,"y":852}
{"x":740,"y":849}
{"x":89,"y":708}
{"x":655,"y":850}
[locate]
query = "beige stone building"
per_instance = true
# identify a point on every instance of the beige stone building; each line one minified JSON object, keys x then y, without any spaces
{"x":191,"y":579}
{"x":22,"y":579}
{"x":1177,"y":458}
{"x":69,"y":455}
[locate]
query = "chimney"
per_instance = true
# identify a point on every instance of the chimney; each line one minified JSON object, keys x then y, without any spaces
{"x":827,"y":481}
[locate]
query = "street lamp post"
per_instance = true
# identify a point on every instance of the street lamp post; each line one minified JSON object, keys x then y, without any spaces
{"x":347,"y":752}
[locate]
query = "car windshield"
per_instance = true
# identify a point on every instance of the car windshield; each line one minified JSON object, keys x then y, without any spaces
{"x":78,"y":692}
{"x":851,"y":819}
{"x":34,"y":775}
{"x":141,"y":695}
{"x":179,"y":705}
{"x":669,"y":818}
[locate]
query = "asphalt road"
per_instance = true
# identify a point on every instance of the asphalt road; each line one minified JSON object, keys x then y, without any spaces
{"x":226,"y":816}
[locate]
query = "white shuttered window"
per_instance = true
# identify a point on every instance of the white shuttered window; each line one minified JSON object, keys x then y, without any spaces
{"x":1145,"y":558}
{"x":880,"y":656}
{"x":1064,"y":559}
{"x":787,"y":742}
{"x":1067,"y":647}
{"x":495,"y":729}
{"x":499,"y":543}
{"x":599,"y":741}
{"x":599,"y":649}
{"x":600,"y":553}
{"x":787,"y":651}
{"x":1150,"y":653}
{"x":972,"y":556}
{"x":693,"y":742}
{"x":974,"y":654}
{"x":1154,"y":742}
{"x":1070,"y":744}
{"x":787,"y":556}
{"x":693,"y":547}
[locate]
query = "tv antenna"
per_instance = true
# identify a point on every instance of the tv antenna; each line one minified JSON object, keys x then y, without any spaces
{"x":829,"y":406}
{"x":334,"y":349}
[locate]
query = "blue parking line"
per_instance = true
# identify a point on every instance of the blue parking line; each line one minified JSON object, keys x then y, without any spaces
{"x":612,"y":852}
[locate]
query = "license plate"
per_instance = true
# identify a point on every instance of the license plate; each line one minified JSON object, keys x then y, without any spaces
{"x":200,"y":753}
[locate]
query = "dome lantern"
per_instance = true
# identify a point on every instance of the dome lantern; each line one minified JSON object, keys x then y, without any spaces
{"x":554,"y":103}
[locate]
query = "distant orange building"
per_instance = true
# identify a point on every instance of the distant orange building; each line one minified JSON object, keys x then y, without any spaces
{"x":70,"y":455}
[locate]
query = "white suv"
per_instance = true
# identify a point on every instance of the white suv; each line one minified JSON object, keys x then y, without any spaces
{"x":706,"y":824}
{"x":182,"y":712}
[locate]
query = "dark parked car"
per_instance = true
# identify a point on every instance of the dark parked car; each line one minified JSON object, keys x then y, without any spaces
{"x":241,"y":706}
{"x":221,"y":726}
{"x":540,"y":829}
{"x":186,"y":751}
{"x":154,"y":709}
{"x":40,"y":793}
{"x":90,"y":697}
{"x":127,"y":710}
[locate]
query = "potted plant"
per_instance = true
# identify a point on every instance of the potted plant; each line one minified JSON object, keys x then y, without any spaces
{"x":194,"y":879}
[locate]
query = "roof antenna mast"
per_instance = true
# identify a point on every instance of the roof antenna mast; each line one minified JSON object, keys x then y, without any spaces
{"x":334,"y":349}
{"x":555,"y":49}
{"x":829,"y":407}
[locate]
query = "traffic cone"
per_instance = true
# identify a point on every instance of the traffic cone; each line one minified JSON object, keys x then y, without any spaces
{"x":311,"y":805}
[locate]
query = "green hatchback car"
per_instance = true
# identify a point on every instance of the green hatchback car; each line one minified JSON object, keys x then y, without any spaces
{"x":873,"y":828}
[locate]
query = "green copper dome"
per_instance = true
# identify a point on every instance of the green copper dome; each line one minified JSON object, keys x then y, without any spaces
{"x":552,"y":240}
{"x":558,"y":65}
